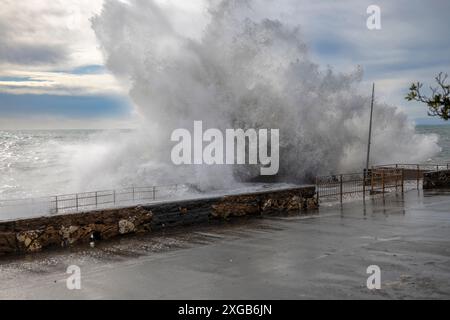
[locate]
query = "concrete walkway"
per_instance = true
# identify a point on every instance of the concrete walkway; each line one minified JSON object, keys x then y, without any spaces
{"x":323,"y":255}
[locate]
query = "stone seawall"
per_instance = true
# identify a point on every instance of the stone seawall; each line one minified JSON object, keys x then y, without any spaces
{"x":31,"y":235}
{"x":436,"y":179}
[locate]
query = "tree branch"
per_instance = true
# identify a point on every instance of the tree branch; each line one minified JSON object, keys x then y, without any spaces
{"x":439,"y":101}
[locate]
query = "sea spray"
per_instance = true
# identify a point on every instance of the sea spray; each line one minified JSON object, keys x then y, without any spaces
{"x":233,"y":69}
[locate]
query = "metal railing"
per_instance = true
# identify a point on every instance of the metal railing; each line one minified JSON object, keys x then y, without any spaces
{"x":421,"y":167}
{"x":383,"y":179}
{"x":377,"y":180}
{"x":367,"y":183}
{"x":340,"y":185}
{"x":87,"y":201}
{"x":415,"y":172}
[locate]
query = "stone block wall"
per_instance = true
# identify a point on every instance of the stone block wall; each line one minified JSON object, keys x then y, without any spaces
{"x":436,"y":179}
{"x":31,"y":235}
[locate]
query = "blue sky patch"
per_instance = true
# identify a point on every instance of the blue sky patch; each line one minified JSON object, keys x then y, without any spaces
{"x":90,"y":69}
{"x":65,"y":106}
{"x":17,"y":79}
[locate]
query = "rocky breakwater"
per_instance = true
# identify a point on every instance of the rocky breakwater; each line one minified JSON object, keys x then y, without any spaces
{"x":436,"y":179}
{"x":31,"y":235}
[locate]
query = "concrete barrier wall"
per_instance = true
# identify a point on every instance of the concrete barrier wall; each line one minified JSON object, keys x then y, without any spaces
{"x":436,"y":179}
{"x":31,"y":235}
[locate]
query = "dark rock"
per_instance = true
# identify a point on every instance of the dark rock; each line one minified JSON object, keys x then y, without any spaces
{"x":8,"y":242}
{"x":436,"y":179}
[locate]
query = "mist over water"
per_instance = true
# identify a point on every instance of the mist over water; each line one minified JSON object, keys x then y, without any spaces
{"x":231,"y":67}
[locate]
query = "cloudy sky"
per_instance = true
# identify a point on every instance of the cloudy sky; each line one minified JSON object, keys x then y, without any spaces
{"x":52,"y":72}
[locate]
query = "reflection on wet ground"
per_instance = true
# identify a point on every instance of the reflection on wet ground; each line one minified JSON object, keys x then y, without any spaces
{"x":323,"y":254}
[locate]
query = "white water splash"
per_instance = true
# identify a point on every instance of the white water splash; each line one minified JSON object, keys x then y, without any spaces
{"x":232,"y":69}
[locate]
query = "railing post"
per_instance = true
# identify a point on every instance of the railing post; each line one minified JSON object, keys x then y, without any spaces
{"x":96,"y":199}
{"x":154,"y":193}
{"x":317,"y":189}
{"x":56,"y":203}
{"x":364,"y":184}
{"x":371,"y":181}
{"x":382,"y":180}
{"x":396,"y":180}
{"x":114,"y":196}
{"x":341,"y":187}
{"x":418,"y":173}
{"x":133,"y":195}
{"x":76,"y":197}
{"x":403,"y":180}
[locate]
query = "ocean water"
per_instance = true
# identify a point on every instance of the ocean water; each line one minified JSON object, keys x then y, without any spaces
{"x":36,"y":163}
{"x":42,"y":163}
{"x":443,"y":131}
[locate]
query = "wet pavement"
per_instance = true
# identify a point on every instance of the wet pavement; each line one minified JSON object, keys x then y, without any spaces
{"x":320,"y":255}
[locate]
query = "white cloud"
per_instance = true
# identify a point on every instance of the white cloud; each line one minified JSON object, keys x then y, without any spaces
{"x":58,"y":83}
{"x":47,"y":33}
{"x":38,"y":37}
